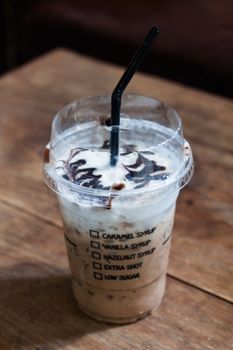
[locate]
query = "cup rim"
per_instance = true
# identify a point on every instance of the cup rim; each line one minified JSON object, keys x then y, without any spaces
{"x":60,"y":185}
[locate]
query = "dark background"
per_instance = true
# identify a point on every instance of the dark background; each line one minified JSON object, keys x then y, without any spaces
{"x":194,"y":46}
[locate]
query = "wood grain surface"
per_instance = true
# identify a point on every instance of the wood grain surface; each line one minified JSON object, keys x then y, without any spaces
{"x":34,"y":278}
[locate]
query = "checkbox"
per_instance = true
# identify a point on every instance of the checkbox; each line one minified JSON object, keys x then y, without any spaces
{"x":95,"y":244}
{"x":97,"y":266}
{"x":94,"y":234}
{"x":98,"y":276}
{"x":96,"y":255}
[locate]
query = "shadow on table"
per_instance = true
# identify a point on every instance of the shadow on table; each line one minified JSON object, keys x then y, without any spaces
{"x":37,"y":307}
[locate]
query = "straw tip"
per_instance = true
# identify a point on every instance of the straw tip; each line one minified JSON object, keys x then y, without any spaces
{"x":156,"y":29}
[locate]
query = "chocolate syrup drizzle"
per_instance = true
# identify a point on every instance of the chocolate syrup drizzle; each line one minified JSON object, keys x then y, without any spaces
{"x":147,"y":173}
{"x":149,"y":170}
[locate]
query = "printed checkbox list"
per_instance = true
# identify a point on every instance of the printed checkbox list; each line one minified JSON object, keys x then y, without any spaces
{"x":96,"y":255}
{"x":96,"y":265}
{"x":98,"y":276}
{"x":94,"y":234}
{"x":95,"y":244}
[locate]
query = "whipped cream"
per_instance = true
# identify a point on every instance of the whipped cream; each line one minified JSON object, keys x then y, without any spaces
{"x":135,"y":168}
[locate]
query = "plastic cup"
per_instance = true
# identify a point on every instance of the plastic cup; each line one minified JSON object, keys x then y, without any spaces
{"x":118,"y":242}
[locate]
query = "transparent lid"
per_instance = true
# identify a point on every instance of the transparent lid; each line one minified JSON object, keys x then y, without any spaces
{"x":147,"y":123}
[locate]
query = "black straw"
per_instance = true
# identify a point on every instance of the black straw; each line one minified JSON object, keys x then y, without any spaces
{"x":119,"y":89}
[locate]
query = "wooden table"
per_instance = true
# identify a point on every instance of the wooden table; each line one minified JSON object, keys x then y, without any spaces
{"x":37,"y":309}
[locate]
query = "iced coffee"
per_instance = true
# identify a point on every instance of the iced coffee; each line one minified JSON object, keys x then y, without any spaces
{"x":118,"y":220}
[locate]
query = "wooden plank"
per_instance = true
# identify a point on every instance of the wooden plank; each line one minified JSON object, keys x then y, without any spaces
{"x":202,"y":245}
{"x":38,"y":310}
{"x":202,"y":229}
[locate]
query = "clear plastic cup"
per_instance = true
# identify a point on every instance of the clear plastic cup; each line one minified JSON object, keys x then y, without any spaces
{"x":118,"y":242}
